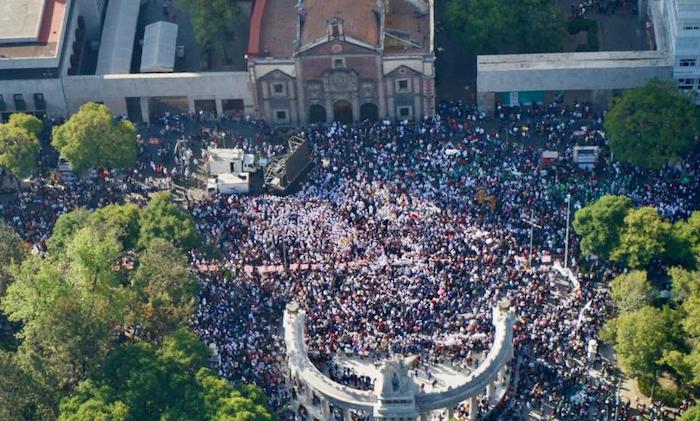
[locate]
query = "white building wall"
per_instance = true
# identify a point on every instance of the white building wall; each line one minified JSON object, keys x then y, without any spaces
{"x":66,"y":95}
{"x":682,"y":22}
{"x":50,"y":88}
{"x":114,"y":89}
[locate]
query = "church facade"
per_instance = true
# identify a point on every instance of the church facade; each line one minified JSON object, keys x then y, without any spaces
{"x":319,"y":61}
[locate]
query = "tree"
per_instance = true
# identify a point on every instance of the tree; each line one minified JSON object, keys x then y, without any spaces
{"x":643,"y":239}
{"x":641,"y":338}
{"x":145,"y":382}
{"x":684,"y":244}
{"x":540,"y":26}
{"x":211,"y":19}
{"x":490,"y":26}
{"x":481,"y":26}
{"x":70,"y":309}
{"x":93,"y":290}
{"x":21,"y":398}
{"x":124,"y":219}
{"x":691,"y":321}
{"x":18,"y":148}
{"x":65,"y":228}
{"x":632,"y":291}
{"x":599,"y":224}
{"x":27,"y":122}
{"x":683,"y":283}
{"x":162,"y":219}
{"x":653,"y":125}
{"x":93,"y":138}
{"x":692,"y":414}
{"x":163,"y":292}
{"x":11,"y":252}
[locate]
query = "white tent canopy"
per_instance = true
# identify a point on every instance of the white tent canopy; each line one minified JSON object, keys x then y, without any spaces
{"x":159,"y":43}
{"x":118,"y":34}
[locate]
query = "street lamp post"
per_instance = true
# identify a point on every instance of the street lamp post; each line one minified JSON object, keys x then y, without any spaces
{"x":533,"y":223}
{"x":566,"y":241}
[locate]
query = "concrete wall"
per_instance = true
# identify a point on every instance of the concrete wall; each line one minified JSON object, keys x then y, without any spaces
{"x":51,"y":88}
{"x":65,"y":95}
{"x":568,"y":72}
{"x":114,"y":89}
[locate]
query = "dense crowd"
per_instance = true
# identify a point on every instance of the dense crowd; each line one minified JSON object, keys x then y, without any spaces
{"x":411,"y":231}
{"x":401,"y":202}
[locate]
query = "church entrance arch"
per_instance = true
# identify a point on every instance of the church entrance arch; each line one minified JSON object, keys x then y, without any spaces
{"x":317,"y":114}
{"x":342,"y":112}
{"x":369,"y":112}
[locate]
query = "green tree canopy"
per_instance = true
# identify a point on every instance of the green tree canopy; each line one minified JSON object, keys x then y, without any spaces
{"x":162,"y":219}
{"x":684,"y":283}
{"x":18,"y":148}
{"x":490,"y":26}
{"x":26,"y":122}
{"x":684,"y":244}
{"x":653,"y":125}
{"x":124,"y":219}
{"x":693,"y":414}
{"x":11,"y":252}
{"x":599,"y":224}
{"x":643,"y":239}
{"x":65,"y":228}
{"x":76,"y":300}
{"x":163,"y":293}
{"x":641,"y":339}
{"x":632,"y":291}
{"x":92,"y":137}
{"x":211,"y":19}
{"x":143,"y":382}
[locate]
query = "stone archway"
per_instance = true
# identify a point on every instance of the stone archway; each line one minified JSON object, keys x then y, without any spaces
{"x":317,"y":114}
{"x":369,"y":112}
{"x":342,"y":112}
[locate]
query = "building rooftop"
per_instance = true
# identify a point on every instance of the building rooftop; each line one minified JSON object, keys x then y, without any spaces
{"x":20,"y":20}
{"x":31,"y":28}
{"x":274,"y":25}
{"x":359,"y":18}
{"x":407,"y":28}
{"x":602,"y":59}
{"x":273,"y":29}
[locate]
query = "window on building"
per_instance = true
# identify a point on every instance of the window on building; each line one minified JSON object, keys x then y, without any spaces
{"x":691,"y":27}
{"x":18,"y":99}
{"x":338,"y":63}
{"x":688,"y":62}
{"x":686,"y":84}
{"x":3,"y":106}
{"x":281,"y":116}
{"x":405,"y":112}
{"x":39,"y":101}
{"x":403,"y":85}
{"x":278,"y":88}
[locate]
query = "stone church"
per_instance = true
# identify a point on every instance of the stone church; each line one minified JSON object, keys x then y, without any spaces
{"x":314,"y":61}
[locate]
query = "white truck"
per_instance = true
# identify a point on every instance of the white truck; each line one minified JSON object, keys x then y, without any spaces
{"x":230,"y":161}
{"x":226,"y":183}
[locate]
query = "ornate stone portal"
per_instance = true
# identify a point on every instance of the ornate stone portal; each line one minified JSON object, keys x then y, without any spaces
{"x":396,"y":396}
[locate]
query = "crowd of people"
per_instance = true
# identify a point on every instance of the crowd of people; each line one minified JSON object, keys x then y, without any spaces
{"x":408,"y":233}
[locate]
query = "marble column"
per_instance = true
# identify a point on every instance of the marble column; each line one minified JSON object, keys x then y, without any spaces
{"x":424,"y":416}
{"x":490,"y":391}
{"x":502,"y":374}
{"x":145,"y":110}
{"x":473,"y":408}
{"x":346,"y":414}
{"x":219,"y":107}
